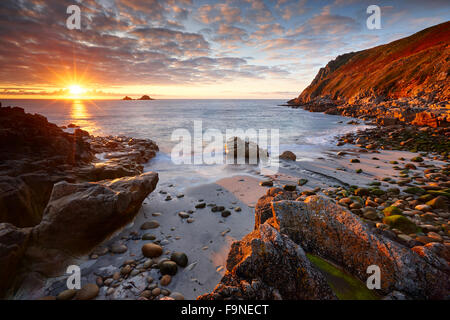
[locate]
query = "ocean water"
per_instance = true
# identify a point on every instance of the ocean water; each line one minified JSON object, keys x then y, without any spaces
{"x":305,"y":133}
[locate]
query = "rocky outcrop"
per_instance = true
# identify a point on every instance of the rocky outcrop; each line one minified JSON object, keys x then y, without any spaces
{"x":36,"y":154}
{"x":405,"y":81}
{"x":239,"y":151}
{"x":145,"y":97}
{"x":268,"y":265}
{"x":327,"y":230}
{"x":79,"y":216}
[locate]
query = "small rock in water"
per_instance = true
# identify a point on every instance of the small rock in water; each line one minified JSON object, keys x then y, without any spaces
{"x":238,"y":209}
{"x":183,"y":215}
{"x":226,"y":213}
{"x":118,"y":248}
{"x":151,"y":250}
{"x":156,"y":214}
{"x":165,"y":280}
{"x":168,"y":267}
{"x":302,"y":182}
{"x":190,"y":220}
{"x":200,"y":205}
{"x":289,"y":187}
{"x":148,"y":236}
{"x":267,"y":183}
{"x":180,"y":195}
{"x":150,"y":225}
{"x":180,"y":258}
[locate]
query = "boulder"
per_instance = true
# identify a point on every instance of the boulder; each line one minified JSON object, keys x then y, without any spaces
{"x":328,"y":230}
{"x":268,"y":265}
{"x":239,"y":151}
{"x":80,"y":216}
{"x":288,"y":155}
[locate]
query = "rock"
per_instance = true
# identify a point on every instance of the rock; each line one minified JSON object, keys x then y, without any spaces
{"x":391,"y":211}
{"x":239,"y":151}
{"x":400,"y":222}
{"x":238,"y":209}
{"x":148,"y":236}
{"x":183,"y":215}
{"x":150,"y":225}
{"x":302,"y":182}
{"x":417,"y":159}
{"x":165,"y":280}
{"x":151,"y":250}
{"x":180,"y":258}
{"x":423,"y":207}
{"x":438,"y":203}
{"x":267,"y":183}
{"x":168,"y":267}
{"x":13,"y":244}
{"x":355,"y":161}
{"x":263,"y":208}
{"x":177,"y":296}
{"x":156,"y":292}
{"x":325,"y":229}
{"x":66,"y":294}
{"x":200,"y":205}
{"x":71,"y":206}
{"x":119,"y":248}
{"x":266,"y":265}
{"x":288,"y":155}
{"x":87,"y":292}
{"x":289,"y":187}
{"x":225,"y":213}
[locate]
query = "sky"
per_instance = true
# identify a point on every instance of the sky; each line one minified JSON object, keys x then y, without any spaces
{"x":246,"y":49}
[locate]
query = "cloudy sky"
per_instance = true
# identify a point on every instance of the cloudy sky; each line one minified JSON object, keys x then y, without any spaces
{"x":190,"y":48}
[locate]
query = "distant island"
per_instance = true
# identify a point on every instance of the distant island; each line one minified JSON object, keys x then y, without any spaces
{"x":144,"y":97}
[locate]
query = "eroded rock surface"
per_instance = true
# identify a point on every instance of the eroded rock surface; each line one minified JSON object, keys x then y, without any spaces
{"x":268,"y":265}
{"x":326,"y":229}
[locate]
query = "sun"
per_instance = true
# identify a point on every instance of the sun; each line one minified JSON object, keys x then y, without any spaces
{"x":75,"y":90}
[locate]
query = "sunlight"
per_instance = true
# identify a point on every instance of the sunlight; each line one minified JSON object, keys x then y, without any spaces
{"x":76,"y":90}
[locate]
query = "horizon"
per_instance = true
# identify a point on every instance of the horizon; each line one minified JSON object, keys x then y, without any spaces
{"x":189,"y":50}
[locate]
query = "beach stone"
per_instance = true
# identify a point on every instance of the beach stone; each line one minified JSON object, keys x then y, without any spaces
{"x":302,"y":182}
{"x":438,"y":203}
{"x":150,"y":225}
{"x":66,"y":294}
{"x":401,"y":223}
{"x":288,"y":155}
{"x":267,"y":183}
{"x":87,"y":292}
{"x":238,"y":209}
{"x":200,"y":205}
{"x":151,"y":250}
{"x":110,"y":291}
{"x":423,"y":207}
{"x":165,"y":280}
{"x":156,"y":292}
{"x":148,"y":236}
{"x":118,"y":248}
{"x":226,"y":213}
{"x":190,"y":220}
{"x":125,"y":270}
{"x":289,"y":187}
{"x":177,"y":296}
{"x":355,"y":161}
{"x":183,"y":215}
{"x":180,"y":258}
{"x":168,"y":267}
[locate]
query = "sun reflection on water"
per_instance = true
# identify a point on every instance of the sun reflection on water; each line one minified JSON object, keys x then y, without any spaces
{"x":79,"y":114}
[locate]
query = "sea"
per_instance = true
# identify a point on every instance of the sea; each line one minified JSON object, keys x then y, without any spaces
{"x":307,"y":134}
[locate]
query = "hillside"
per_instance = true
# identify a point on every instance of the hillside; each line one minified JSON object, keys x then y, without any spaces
{"x":416,"y":66}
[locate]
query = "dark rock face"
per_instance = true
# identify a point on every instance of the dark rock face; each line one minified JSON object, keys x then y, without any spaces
{"x":328,"y":230}
{"x":268,"y":265}
{"x":79,"y":216}
{"x":263,"y":208}
{"x":13,"y":242}
{"x":36,"y":154}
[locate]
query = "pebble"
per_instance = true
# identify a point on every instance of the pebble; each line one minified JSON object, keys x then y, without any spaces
{"x":110,"y":291}
{"x":119,"y":248}
{"x":156,"y":292}
{"x":168,"y":267}
{"x":238,"y":209}
{"x":226,"y":213}
{"x":165,"y":280}
{"x":177,"y":296}
{"x":151,"y":250}
{"x":66,"y":294}
{"x":87,"y":292}
{"x":179,"y":258}
{"x":190,"y":220}
{"x":183,"y":215}
{"x":200,"y":205}
{"x":148,"y":236}
{"x":150,"y":225}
